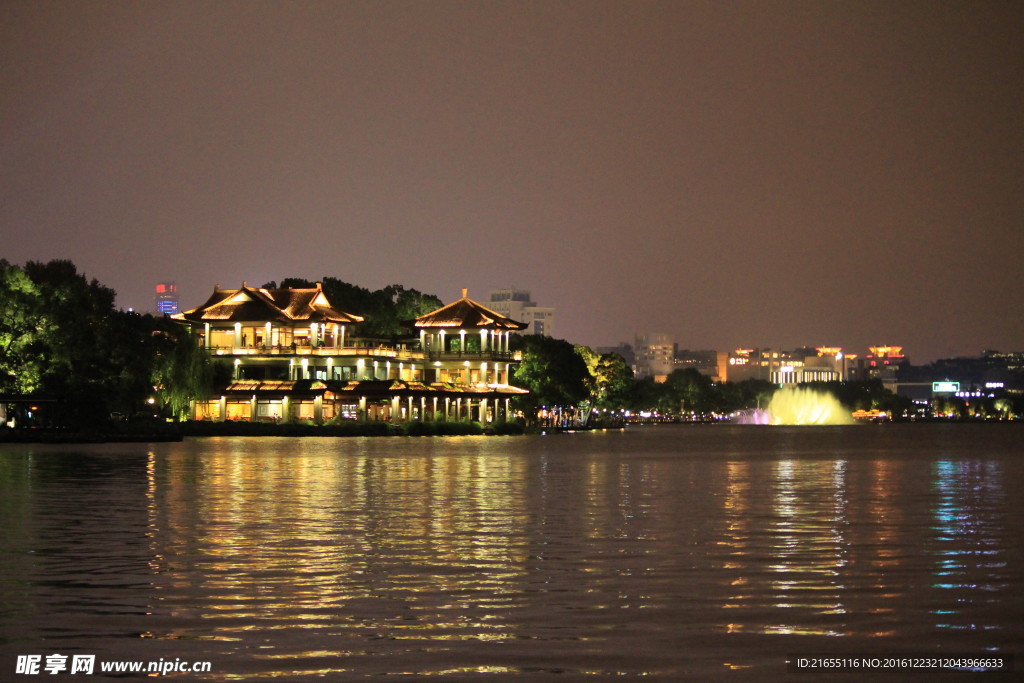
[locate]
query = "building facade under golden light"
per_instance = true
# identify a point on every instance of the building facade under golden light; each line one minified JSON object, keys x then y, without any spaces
{"x":294,"y":356}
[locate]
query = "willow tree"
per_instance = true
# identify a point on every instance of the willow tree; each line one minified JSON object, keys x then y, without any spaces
{"x":61,"y":337}
{"x":182,"y":371}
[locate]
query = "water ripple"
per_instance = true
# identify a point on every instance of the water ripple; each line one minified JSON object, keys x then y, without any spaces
{"x":661,"y":552}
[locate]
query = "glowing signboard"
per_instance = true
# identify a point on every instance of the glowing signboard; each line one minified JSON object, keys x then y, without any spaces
{"x":944,"y":387}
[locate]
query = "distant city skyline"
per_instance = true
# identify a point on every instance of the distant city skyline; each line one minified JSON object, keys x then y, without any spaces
{"x":680,"y":344}
{"x":168,"y":295}
{"x":730,"y":173}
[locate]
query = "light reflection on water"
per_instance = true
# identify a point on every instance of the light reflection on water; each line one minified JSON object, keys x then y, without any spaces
{"x":668,"y":550}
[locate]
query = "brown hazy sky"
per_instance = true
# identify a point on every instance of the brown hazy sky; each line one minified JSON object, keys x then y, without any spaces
{"x":734,"y":173}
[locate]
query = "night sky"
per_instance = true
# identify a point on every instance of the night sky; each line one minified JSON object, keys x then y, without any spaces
{"x":736,"y":174}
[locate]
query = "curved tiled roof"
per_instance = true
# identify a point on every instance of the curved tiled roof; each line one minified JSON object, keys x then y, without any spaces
{"x":466,"y":313}
{"x":254,"y":304}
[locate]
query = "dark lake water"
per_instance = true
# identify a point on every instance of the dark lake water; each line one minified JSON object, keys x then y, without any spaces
{"x":671,"y":551}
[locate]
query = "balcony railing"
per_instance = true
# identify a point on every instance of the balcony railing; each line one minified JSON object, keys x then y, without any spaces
{"x":400,"y":353}
{"x":434,"y":354}
{"x":387,"y":352}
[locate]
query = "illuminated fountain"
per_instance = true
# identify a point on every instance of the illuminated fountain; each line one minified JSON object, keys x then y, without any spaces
{"x":793,"y":405}
{"x":751,"y":416}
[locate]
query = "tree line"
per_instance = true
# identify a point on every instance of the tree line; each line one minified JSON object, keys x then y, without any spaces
{"x":558,"y":373}
{"x":63,"y":340}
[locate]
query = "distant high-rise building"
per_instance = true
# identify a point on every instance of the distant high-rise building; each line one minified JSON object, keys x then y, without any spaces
{"x":805,"y":364}
{"x":704,"y":361}
{"x":882,"y":363}
{"x":655,"y":356}
{"x":516,"y":304}
{"x":167,"y":298}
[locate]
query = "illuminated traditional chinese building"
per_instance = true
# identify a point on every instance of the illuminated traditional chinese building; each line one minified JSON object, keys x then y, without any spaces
{"x":293,"y":356}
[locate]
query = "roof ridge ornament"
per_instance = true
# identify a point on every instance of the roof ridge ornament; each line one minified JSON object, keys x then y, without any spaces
{"x":466,"y":313}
